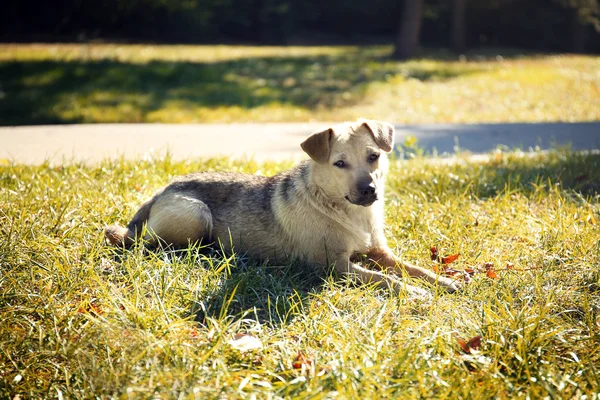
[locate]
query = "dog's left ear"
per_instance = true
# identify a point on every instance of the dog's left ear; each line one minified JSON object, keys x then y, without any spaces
{"x":382,"y":132}
{"x":317,"y":145}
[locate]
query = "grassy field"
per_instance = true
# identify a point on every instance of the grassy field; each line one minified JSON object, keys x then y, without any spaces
{"x":42,"y":84}
{"x":79,"y":319}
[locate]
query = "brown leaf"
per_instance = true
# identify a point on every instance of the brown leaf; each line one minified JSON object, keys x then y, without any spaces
{"x":473,"y":344}
{"x":91,"y":308}
{"x":489,"y":270}
{"x":301,"y":361}
{"x":510,"y":265}
{"x":435,"y":255}
{"x":96,"y":309}
{"x":492,"y":274}
{"x":451,"y":272}
{"x":469,"y":271}
{"x":450,"y":259}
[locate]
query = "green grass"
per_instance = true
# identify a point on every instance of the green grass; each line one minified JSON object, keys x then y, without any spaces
{"x":182,"y":84}
{"x":79,"y":319}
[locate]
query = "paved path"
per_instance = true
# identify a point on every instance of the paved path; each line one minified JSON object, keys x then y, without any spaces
{"x":92,"y":143}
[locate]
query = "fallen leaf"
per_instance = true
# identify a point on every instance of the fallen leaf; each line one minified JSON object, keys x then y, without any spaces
{"x":510,"y":265}
{"x":435,"y":255}
{"x":489,"y":271}
{"x":450,"y":259}
{"x":91,"y":308}
{"x":472,"y":344}
{"x":301,"y":361}
{"x":96,"y":309}
{"x":245,"y":342}
{"x":451,"y":272}
{"x":469,"y":271}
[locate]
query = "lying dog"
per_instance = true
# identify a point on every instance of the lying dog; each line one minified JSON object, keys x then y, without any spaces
{"x":327,"y":210}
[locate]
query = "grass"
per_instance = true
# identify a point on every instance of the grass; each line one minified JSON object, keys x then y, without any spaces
{"x":79,"y":319}
{"x":89,"y":83}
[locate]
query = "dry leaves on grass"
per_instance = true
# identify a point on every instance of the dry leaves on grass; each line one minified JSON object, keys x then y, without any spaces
{"x":90,"y":308}
{"x":468,"y":346}
{"x":486,"y":268}
{"x":472,"y":358}
{"x":306,"y":365}
{"x":435,"y":256}
{"x":302,"y":362}
{"x":489,"y":271}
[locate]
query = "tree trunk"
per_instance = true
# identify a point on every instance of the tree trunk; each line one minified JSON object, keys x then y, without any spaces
{"x":459,"y":28}
{"x":579,"y":36}
{"x":409,"y":30}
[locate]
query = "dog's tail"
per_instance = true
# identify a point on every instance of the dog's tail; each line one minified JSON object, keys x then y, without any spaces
{"x":120,"y":236}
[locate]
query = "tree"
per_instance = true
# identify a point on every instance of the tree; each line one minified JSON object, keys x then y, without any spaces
{"x":585,"y":12}
{"x":409,"y":29}
{"x":459,"y":27}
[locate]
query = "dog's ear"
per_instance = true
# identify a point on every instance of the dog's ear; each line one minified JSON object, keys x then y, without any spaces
{"x":317,"y":145}
{"x":382,"y":132}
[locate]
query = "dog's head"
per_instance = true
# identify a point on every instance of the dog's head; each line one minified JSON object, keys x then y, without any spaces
{"x":351,"y":160}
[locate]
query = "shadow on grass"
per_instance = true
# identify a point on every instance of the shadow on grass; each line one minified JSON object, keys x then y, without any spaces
{"x":41,"y":92}
{"x":570,"y":172}
{"x":575,"y":175}
{"x":269,"y":294}
{"x":233,"y":286}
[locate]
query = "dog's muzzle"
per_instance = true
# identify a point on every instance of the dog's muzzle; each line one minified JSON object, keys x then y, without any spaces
{"x":365,"y":194}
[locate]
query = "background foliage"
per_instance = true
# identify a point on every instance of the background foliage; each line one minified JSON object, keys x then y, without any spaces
{"x":556,"y":25}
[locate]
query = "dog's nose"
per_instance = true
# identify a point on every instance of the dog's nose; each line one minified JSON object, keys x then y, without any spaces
{"x":367,"y":188}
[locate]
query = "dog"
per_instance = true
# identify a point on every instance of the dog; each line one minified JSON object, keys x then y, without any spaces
{"x":327,"y":210}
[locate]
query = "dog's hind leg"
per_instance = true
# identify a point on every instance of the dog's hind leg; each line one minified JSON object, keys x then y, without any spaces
{"x":178,"y":219}
{"x":175,"y":219}
{"x":120,"y":236}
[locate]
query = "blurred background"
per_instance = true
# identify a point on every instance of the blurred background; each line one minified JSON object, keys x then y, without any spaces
{"x":542,"y":25}
{"x":411,"y":61}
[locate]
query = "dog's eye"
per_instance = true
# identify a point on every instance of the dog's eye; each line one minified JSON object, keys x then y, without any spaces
{"x":373,"y":157}
{"x":339,"y":164}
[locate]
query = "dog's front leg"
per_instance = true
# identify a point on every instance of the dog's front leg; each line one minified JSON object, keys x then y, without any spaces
{"x":346,"y":267}
{"x":384,"y":258}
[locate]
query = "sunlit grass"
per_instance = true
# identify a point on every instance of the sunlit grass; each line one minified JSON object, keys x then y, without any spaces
{"x":79,"y":319}
{"x":186,"y":84}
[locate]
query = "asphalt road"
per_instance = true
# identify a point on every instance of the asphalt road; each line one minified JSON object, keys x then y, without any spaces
{"x":92,"y":143}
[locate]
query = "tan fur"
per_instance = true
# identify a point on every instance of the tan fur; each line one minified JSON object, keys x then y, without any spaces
{"x":181,"y":218}
{"x":319,"y":212}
